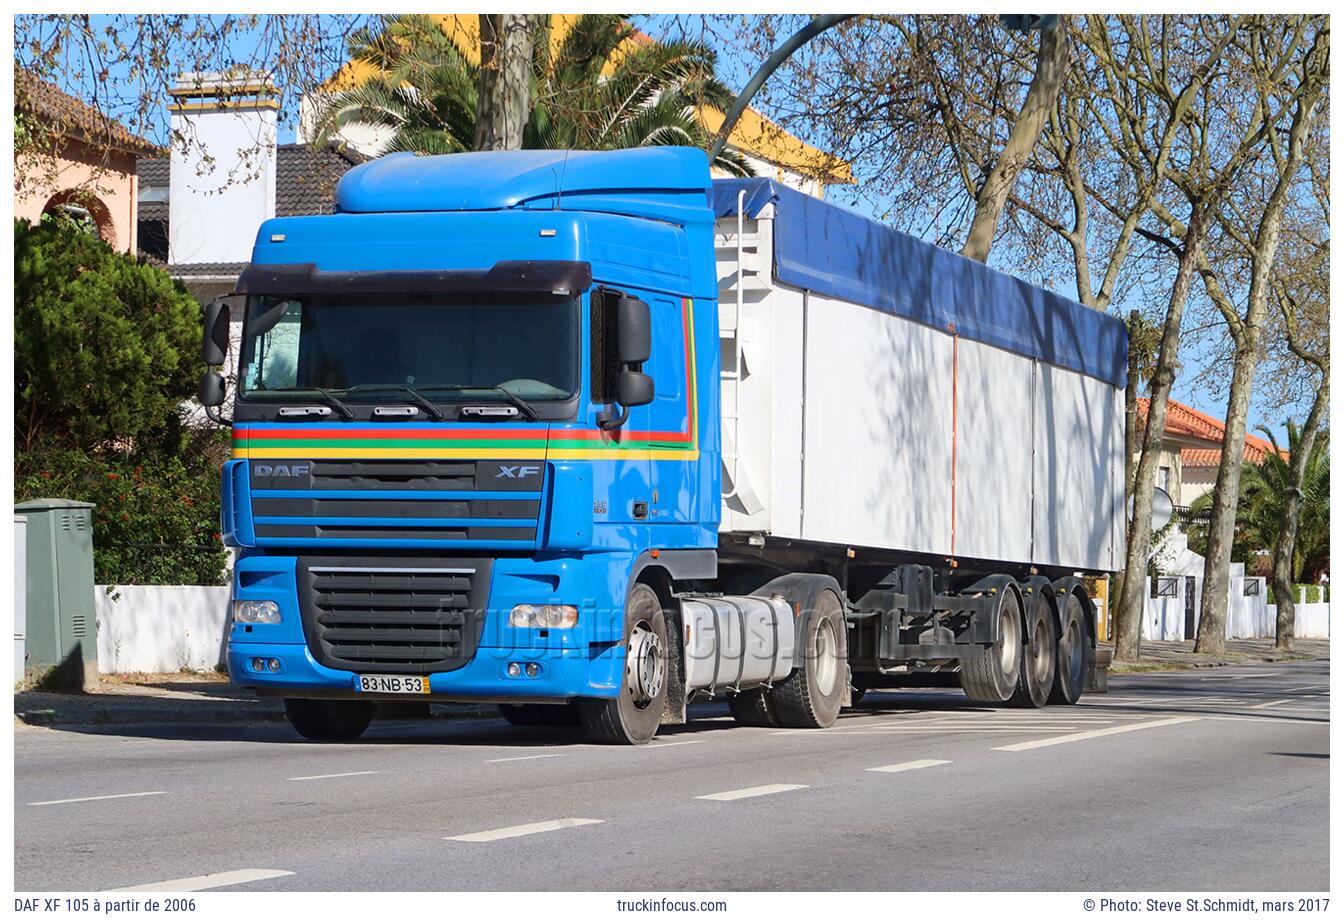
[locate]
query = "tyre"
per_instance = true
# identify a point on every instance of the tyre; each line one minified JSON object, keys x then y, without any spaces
{"x":633,"y":716}
{"x":991,"y":676}
{"x":1075,"y":653}
{"x":1036,"y":678}
{"x":810,"y":696}
{"x":752,"y":707}
{"x":538,"y":715}
{"x":329,"y":720}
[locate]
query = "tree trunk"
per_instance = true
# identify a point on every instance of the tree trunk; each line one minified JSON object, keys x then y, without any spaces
{"x":1052,"y":59}
{"x":1132,"y":384}
{"x":1129,"y":620}
{"x":505,"y":88}
{"x":1285,"y":620}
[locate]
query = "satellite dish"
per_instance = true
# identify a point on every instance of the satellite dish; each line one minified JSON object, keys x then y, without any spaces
{"x":1162,"y":509}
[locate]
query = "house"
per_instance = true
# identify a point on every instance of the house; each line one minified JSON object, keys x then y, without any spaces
{"x":1191,"y":449}
{"x":769,"y":149}
{"x":200,"y":207}
{"x":76,"y":160}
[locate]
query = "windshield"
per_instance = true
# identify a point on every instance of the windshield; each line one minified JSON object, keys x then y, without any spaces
{"x":446,"y":347}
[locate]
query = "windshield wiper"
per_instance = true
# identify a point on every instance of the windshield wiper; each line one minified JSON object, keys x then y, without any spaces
{"x":332,"y":400}
{"x":415,"y":396}
{"x":518,"y":402}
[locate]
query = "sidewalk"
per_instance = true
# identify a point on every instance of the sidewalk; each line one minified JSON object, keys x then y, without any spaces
{"x":1174,"y":656}
{"x":175,"y":698}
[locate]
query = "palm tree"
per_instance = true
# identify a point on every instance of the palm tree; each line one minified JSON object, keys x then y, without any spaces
{"x":1260,"y":505}
{"x":603,"y":86}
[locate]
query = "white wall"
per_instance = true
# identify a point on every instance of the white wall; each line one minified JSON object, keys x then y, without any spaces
{"x":1248,"y":616}
{"x":160,"y":628}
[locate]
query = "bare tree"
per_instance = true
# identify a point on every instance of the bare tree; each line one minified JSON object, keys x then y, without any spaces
{"x":505,"y":97}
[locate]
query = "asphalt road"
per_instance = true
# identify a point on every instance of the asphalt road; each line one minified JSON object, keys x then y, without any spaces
{"x":1213,"y":780}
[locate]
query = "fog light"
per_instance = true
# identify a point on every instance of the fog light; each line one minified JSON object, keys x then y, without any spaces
{"x":258,"y":664}
{"x":273,"y":665}
{"x":543,"y":616}
{"x":256,"y":612}
{"x":533,"y":669}
{"x":515,"y":669}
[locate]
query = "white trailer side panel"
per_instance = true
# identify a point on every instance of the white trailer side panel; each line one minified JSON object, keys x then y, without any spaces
{"x":1080,"y":430}
{"x":994,"y":452}
{"x":877,"y":430}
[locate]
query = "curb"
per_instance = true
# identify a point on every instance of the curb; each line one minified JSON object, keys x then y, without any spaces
{"x":203,"y":714}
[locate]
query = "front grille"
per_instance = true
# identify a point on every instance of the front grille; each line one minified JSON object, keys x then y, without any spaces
{"x":405,"y":615}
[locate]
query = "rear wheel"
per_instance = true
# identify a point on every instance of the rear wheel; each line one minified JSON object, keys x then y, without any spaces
{"x":329,"y":720}
{"x":1075,"y":654}
{"x":633,"y":716}
{"x":538,"y":715}
{"x":1037,"y":676}
{"x":991,"y":676}
{"x":810,"y":697}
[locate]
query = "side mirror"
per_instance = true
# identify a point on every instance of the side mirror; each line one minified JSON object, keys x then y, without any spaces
{"x":633,"y":335}
{"x":215,"y":346}
{"x":211,"y":392}
{"x":634,"y":388}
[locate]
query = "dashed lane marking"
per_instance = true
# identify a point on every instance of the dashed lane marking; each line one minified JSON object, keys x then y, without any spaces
{"x":527,"y":757}
{"x":666,"y":744}
{"x":98,"y":798}
{"x":1098,"y":733}
{"x":750,"y":792}
{"x":908,"y":765}
{"x":1270,"y":704}
{"x":213,"y":880}
{"x":298,"y":779}
{"x":523,"y":830}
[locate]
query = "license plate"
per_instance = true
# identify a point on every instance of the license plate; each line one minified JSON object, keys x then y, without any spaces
{"x":392,"y":683}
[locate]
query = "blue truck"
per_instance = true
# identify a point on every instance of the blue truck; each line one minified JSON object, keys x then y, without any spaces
{"x":592,"y":437}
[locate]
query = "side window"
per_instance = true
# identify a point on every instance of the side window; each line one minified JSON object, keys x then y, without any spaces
{"x":274,"y":362}
{"x":667,"y":364}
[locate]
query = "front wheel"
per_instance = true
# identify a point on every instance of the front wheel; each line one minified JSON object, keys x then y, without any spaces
{"x":633,"y":716}
{"x":329,"y":720}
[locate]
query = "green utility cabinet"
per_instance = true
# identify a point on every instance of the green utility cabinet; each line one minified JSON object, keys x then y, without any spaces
{"x":62,"y":629}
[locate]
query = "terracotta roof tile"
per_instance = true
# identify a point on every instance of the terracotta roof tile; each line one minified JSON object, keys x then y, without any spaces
{"x":73,"y":117}
{"x":1189,"y":422}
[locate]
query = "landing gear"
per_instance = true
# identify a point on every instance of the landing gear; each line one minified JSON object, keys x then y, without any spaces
{"x":633,"y":716}
{"x":329,"y":720}
{"x":992,"y":674}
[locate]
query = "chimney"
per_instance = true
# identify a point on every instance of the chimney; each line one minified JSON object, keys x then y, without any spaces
{"x":222,"y":172}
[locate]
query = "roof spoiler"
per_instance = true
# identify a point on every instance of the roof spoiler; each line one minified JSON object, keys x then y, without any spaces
{"x":526,"y":276}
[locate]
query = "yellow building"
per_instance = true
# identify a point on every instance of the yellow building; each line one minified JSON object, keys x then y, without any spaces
{"x":771,"y":151}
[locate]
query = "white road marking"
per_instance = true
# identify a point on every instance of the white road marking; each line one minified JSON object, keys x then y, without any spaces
{"x":97,"y":798}
{"x":1268,"y":719}
{"x":1307,"y":687}
{"x":1238,"y":677}
{"x":213,"y":880}
{"x":522,"y":830}
{"x":296,"y":779}
{"x":663,"y":744}
{"x":528,"y":757}
{"x":908,"y":765}
{"x":750,"y":793}
{"x":1270,"y":703}
{"x":1098,"y":733}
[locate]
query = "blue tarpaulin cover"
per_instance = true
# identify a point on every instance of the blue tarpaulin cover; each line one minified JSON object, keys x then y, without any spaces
{"x":826,"y":249}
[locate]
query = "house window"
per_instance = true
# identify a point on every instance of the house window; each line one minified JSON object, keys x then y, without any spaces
{"x":1166,"y":586}
{"x":1164,"y":479}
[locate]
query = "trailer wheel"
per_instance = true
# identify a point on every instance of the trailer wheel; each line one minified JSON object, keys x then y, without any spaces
{"x":633,"y":716}
{"x":329,"y":720}
{"x":1037,"y":678}
{"x":1075,"y":654}
{"x":810,"y":697}
{"x":538,"y":715}
{"x":752,"y":707}
{"x":991,"y":676}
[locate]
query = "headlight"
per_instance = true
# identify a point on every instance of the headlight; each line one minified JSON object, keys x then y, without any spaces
{"x":256,"y":612}
{"x":543,"y":616}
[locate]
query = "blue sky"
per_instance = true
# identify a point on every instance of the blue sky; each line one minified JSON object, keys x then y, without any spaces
{"x":735,"y":68}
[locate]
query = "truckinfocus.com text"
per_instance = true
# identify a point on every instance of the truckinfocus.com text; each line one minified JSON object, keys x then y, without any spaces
{"x":659,"y":905}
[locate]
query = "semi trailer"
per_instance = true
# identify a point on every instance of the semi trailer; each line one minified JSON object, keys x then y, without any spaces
{"x":590,"y":436}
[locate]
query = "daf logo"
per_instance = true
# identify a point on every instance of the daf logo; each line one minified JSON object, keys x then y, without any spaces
{"x":280,"y":469}
{"x":517,"y":472}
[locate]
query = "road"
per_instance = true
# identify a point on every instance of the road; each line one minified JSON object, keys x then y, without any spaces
{"x":1195,"y":780}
